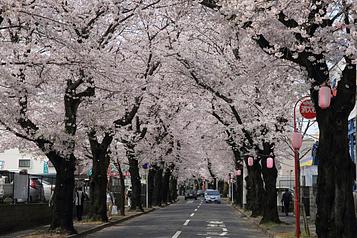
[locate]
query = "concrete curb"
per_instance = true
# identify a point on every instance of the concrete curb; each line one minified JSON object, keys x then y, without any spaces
{"x":108,"y":224}
{"x":111,"y":223}
{"x":266,"y":231}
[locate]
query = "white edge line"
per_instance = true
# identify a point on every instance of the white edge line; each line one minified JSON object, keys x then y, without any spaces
{"x":177,"y":234}
{"x":192,"y":214}
{"x":196,"y":210}
{"x":186,"y":222}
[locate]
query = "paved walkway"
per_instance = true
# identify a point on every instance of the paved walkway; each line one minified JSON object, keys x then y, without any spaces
{"x":284,"y":230}
{"x":83,"y":228}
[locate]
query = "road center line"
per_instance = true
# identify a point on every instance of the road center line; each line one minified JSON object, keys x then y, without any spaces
{"x":192,"y":214}
{"x":186,"y":222}
{"x":196,"y":210}
{"x":177,"y":234}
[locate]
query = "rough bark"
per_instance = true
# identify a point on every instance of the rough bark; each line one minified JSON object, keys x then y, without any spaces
{"x":239,"y":190}
{"x":136,"y":185}
{"x":173,"y":189}
{"x":166,"y":186}
{"x":335,"y":211}
{"x":62,"y":210}
{"x":270,"y":208}
{"x":122,"y":189}
{"x":99,"y":180}
{"x":157,"y":196}
{"x":255,"y":189}
{"x":151,"y":178}
{"x":98,"y":187}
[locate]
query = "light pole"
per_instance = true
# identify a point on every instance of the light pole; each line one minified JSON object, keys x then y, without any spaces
{"x":232,"y":186}
{"x":296,"y":144}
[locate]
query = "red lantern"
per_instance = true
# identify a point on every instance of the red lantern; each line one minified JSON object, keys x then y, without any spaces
{"x":296,"y":141}
{"x":324,"y":97}
{"x":250,"y":161}
{"x":238,"y":172}
{"x":270,"y":162}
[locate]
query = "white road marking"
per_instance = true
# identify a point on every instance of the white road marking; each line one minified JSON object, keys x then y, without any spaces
{"x":216,"y":222}
{"x":186,"y":222}
{"x":215,"y":229}
{"x":177,"y":234}
{"x":192,"y":214}
{"x":196,"y":210}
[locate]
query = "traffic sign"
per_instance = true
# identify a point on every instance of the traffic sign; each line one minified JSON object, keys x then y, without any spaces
{"x":307,"y":109}
{"x":146,"y":166}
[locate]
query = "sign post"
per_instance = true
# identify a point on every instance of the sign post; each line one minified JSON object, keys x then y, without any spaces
{"x":307,"y":109}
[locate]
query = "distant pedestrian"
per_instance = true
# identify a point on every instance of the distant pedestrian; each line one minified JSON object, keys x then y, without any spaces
{"x":110,"y":203}
{"x":128,"y":195}
{"x":78,"y":202}
{"x":286,"y":199}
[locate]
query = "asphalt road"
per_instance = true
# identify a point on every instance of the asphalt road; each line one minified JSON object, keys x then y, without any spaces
{"x":186,"y":219}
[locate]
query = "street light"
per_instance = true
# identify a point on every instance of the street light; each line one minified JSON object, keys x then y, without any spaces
{"x":296,"y":144}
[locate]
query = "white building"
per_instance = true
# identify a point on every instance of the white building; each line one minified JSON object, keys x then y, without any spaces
{"x":14,"y":161}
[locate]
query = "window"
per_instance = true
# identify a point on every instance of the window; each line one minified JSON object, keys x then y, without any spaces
{"x":24,"y":163}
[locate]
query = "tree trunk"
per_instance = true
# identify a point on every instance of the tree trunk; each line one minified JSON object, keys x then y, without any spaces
{"x":239,"y":190}
{"x":121,"y":190}
{"x":165,"y":185}
{"x":62,"y":213}
{"x":151,"y":178}
{"x":256,"y":189}
{"x":136,"y":185}
{"x":335,"y":207}
{"x":270,"y":209}
{"x":249,"y":197}
{"x":98,"y":186}
{"x":173,"y":189}
{"x":157,"y":196}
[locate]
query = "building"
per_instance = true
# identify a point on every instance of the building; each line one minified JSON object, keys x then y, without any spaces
{"x":14,"y":161}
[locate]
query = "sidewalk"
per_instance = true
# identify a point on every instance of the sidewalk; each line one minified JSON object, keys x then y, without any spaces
{"x":83,"y":228}
{"x":284,"y":230}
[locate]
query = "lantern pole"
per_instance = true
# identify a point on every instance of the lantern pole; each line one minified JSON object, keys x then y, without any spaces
{"x":297,"y":185}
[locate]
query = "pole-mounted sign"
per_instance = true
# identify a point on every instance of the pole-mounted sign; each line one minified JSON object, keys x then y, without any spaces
{"x":307,"y":109}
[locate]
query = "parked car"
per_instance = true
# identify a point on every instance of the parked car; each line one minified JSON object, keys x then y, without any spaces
{"x":212,"y":196}
{"x":200,"y":193}
{"x":36,"y":190}
{"x":191,"y":194}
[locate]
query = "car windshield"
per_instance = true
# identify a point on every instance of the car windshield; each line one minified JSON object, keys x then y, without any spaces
{"x":212,"y":193}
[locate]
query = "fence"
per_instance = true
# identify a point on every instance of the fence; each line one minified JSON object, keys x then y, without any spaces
{"x":308,"y":198}
{"x":25,"y":188}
